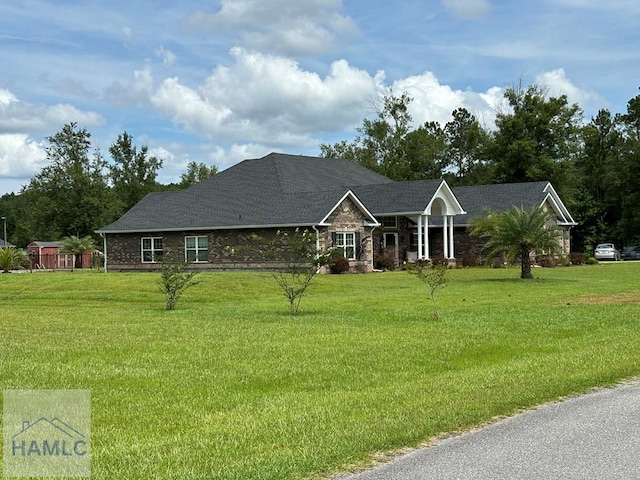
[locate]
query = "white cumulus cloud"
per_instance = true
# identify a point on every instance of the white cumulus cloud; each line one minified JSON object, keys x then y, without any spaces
{"x":19,"y":117}
{"x":6,"y":97}
{"x":279,"y":26}
{"x":20,"y":156}
{"x":433,"y":101}
{"x":557,"y":83}
{"x":267,"y":98}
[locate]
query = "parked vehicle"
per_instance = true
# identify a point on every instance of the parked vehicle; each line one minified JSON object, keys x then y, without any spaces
{"x":631,"y":253}
{"x":607,"y":251}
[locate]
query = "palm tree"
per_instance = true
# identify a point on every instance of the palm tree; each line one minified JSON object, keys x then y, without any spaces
{"x":78,"y":247}
{"x":11,"y":258}
{"x":518,"y":232}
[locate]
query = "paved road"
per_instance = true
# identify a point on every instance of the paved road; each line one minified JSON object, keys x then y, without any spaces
{"x":593,"y":436}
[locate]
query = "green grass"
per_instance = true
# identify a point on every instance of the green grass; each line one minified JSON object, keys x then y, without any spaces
{"x":230,"y":386}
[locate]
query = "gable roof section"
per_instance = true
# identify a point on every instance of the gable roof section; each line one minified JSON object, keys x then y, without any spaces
{"x":349,"y":195}
{"x":407,"y":198}
{"x":397,"y":198}
{"x":561,"y":211}
{"x":447,"y":198}
{"x":480,"y":199}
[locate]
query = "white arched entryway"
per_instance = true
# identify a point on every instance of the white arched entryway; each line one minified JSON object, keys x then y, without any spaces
{"x":443,"y":205}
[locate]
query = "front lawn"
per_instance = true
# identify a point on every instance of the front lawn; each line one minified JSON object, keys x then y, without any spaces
{"x":230,"y":386}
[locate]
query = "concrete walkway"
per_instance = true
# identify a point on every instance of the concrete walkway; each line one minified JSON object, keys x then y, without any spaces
{"x":592,"y":436}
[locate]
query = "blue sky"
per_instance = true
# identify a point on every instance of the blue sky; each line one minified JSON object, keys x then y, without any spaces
{"x":221,"y":81}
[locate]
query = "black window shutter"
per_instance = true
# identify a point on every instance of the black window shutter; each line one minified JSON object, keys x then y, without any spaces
{"x":333,"y":239}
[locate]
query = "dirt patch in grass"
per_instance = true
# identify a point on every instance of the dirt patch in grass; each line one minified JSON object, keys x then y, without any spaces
{"x":609,"y":298}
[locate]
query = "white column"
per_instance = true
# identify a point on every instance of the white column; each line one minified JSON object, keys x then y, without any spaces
{"x":451,"y":250}
{"x":420,"y":257}
{"x":426,"y":237}
{"x":445,"y":236}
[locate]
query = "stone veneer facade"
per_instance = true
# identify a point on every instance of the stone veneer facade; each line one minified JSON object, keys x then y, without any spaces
{"x":347,"y":217}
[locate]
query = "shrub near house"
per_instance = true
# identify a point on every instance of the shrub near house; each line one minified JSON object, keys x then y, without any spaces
{"x":11,"y":258}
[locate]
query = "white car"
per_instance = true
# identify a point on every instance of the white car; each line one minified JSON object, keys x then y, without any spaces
{"x":607,"y":251}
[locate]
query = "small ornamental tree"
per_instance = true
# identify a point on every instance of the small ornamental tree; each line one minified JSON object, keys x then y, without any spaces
{"x":296,"y":259}
{"x":174,"y":279}
{"x":433,"y":276}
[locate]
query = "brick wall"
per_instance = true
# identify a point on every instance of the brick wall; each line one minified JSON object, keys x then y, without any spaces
{"x":238,"y":249}
{"x":227,"y":249}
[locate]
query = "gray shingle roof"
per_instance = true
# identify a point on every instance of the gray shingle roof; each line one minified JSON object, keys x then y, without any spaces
{"x":275,"y":190}
{"x":398,"y":197}
{"x":38,"y":243}
{"x":480,"y":199}
{"x":300,"y":174}
{"x":292,"y":190}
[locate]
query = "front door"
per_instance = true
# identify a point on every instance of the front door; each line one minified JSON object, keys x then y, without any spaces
{"x":391,"y":245}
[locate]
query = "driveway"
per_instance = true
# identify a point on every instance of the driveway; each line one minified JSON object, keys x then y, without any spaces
{"x":592,"y":436}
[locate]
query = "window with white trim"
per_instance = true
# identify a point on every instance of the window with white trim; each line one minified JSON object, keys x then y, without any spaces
{"x":196,"y":249}
{"x":151,"y":249}
{"x":347,"y":242}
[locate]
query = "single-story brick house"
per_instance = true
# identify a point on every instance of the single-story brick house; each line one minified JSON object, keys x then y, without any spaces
{"x":343,"y":204}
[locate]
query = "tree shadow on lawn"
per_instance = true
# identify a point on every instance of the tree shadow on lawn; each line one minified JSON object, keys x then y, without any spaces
{"x":278,"y":314}
{"x":526,"y":281}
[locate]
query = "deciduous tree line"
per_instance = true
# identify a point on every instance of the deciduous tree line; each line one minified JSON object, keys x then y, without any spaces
{"x":594,"y":166}
{"x":80,"y":190}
